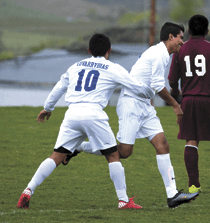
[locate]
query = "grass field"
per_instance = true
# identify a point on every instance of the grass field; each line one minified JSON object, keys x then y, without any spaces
{"x":82,"y":191}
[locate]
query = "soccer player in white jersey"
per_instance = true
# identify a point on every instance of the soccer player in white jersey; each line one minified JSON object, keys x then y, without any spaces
{"x":89,"y":85}
{"x":137,"y":117}
{"x":143,"y":122}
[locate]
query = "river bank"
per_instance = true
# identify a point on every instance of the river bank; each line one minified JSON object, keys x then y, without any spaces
{"x":27,"y":81}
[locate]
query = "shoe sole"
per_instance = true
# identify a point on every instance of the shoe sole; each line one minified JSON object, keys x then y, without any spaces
{"x":130,"y":208}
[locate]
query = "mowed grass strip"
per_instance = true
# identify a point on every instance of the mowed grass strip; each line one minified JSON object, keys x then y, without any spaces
{"x":82,"y":191}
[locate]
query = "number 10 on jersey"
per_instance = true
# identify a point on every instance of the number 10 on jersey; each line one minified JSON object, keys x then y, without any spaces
{"x":90,"y":81}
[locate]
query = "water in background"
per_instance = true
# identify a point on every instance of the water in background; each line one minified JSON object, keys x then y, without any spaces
{"x":28,"y":80}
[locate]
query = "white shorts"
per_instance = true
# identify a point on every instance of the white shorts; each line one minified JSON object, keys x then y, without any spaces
{"x":136,"y":120}
{"x":74,"y":131}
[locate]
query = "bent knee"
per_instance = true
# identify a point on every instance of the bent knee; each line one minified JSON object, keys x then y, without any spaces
{"x":163,"y":148}
{"x":125,"y":150}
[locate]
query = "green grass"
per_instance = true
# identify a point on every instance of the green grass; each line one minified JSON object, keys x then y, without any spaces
{"x":82,"y":191}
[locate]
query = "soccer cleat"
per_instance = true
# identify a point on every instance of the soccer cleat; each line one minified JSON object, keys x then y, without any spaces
{"x":24,"y":199}
{"x":69,"y":156}
{"x":194,"y":189}
{"x":130,"y":204}
{"x":181,"y":198}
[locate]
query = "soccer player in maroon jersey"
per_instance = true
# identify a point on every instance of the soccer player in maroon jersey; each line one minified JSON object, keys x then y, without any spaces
{"x":192,"y":66}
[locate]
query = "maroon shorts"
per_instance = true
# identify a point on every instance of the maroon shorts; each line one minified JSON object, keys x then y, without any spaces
{"x":195,"y":124}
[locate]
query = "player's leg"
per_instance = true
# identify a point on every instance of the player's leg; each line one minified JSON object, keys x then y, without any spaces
{"x":101,"y":138}
{"x":83,"y":147}
{"x":174,"y":197}
{"x":131,"y":114}
{"x":125,"y":150}
{"x":86,"y":147}
{"x":116,"y":171}
{"x":164,"y":163}
{"x":188,"y":130}
{"x":43,"y":171}
{"x":117,"y":175}
{"x":194,"y":127}
{"x":69,"y":138}
{"x":47,"y":167}
{"x":191,"y":163}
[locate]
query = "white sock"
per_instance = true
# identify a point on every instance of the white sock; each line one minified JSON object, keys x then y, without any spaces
{"x":116,"y":171}
{"x":44,"y":170}
{"x":167,"y":172}
{"x":85,"y":146}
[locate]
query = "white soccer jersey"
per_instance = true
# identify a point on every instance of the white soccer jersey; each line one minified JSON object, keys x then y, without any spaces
{"x":93,"y":80}
{"x":150,"y":69}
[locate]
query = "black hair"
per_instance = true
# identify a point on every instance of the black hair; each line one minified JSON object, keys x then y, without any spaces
{"x":170,"y":28}
{"x":99,"y":44}
{"x":198,"y":25}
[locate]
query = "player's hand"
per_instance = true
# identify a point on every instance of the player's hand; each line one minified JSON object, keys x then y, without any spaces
{"x":42,"y":115}
{"x":179,"y":113}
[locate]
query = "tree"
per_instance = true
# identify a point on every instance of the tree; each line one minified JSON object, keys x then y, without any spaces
{"x":182,"y":10}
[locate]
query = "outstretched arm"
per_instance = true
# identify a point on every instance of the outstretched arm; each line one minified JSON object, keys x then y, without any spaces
{"x":164,"y":94}
{"x":42,"y":115}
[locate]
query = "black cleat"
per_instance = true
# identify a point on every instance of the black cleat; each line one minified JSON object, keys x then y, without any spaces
{"x":69,"y":156}
{"x":181,"y":198}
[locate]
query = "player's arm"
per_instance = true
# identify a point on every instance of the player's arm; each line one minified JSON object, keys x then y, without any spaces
{"x":125,"y":79}
{"x":56,"y":93}
{"x":173,"y":78}
{"x":174,"y":91}
{"x":174,"y":87}
{"x":164,"y":94}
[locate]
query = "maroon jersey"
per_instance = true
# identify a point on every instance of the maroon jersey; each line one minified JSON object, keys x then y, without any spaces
{"x":192,"y":65}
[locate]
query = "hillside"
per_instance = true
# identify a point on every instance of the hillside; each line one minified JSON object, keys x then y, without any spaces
{"x":21,"y":18}
{"x":65,"y":8}
{"x":80,"y":8}
{"x":30,"y":25}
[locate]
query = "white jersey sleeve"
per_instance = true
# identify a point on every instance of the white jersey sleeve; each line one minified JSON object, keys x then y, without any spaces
{"x":56,"y":93}
{"x":160,"y":62}
{"x":150,"y":69}
{"x":138,"y":88}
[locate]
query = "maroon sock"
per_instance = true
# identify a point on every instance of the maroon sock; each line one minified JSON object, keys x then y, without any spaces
{"x":191,"y":163}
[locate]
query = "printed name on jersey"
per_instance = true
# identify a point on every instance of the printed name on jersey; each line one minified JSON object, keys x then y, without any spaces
{"x":93,"y":65}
